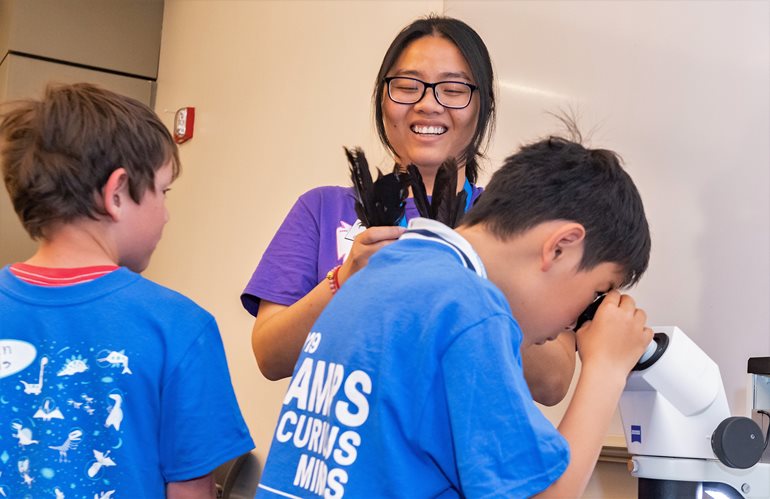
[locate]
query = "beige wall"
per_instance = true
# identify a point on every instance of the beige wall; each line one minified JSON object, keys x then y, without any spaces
{"x":611,"y":480}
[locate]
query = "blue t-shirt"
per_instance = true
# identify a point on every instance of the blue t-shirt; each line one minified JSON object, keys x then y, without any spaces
{"x":410,"y":385}
{"x":110,"y":388}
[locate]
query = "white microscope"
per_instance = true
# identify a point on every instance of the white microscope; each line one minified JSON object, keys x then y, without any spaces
{"x":679,"y":431}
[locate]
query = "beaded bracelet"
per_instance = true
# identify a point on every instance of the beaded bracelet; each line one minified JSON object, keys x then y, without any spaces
{"x":332,"y":277}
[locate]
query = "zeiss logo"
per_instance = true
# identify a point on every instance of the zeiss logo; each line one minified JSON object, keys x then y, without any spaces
{"x":636,"y":433}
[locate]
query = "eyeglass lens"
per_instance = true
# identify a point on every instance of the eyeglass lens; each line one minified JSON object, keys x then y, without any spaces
{"x":448,"y":93}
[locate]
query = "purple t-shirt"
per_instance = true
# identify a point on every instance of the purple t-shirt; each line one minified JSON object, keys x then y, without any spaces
{"x":316,"y":235}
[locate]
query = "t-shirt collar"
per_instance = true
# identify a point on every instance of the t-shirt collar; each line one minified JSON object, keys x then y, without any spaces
{"x":432,"y":230}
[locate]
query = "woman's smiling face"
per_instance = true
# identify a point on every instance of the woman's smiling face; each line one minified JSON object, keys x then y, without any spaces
{"x":426,"y":133}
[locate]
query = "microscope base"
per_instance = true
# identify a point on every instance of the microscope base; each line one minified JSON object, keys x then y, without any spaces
{"x":681,"y":478}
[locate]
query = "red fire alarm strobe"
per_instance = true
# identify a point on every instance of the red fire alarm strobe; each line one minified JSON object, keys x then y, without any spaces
{"x":183,"y":124}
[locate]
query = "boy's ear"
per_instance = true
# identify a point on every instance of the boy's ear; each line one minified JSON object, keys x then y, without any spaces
{"x":565,"y":242}
{"x":115,"y":192}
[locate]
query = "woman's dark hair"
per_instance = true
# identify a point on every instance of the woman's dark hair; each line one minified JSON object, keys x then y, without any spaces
{"x":474,"y":51}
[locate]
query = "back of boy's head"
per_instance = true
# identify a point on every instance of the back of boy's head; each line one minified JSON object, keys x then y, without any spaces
{"x":558,"y":179}
{"x":57,"y":153}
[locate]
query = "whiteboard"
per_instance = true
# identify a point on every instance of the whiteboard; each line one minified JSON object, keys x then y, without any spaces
{"x":682,"y":91}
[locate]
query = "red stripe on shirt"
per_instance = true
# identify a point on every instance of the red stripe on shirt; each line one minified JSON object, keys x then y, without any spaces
{"x":45,"y":276}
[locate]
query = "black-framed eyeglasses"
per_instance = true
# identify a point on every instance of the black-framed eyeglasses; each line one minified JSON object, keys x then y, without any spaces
{"x":450,"y":94}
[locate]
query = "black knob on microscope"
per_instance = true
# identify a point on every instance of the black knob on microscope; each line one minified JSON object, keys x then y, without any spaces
{"x":738,"y":442}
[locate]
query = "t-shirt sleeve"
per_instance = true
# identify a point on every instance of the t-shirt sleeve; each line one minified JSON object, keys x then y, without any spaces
{"x":505,"y":446}
{"x":289,"y":267}
{"x":201,"y":423}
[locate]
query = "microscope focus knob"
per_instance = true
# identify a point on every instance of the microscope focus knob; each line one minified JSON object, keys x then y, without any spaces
{"x":738,"y":442}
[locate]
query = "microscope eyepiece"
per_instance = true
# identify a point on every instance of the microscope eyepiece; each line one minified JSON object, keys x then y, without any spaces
{"x":659,"y":343}
{"x":589,"y":312}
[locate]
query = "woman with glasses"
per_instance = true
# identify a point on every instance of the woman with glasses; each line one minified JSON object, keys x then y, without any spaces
{"x":433,"y":100}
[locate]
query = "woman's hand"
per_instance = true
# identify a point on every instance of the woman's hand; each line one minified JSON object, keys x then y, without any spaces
{"x":279,"y":331}
{"x":364,"y":246}
{"x":549,"y":368}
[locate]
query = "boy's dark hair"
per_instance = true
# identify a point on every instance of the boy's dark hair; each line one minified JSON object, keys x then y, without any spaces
{"x":57,"y":153}
{"x":557,"y":179}
{"x":472,"y":47}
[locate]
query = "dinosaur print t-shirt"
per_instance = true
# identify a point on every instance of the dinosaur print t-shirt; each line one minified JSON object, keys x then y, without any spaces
{"x":110,"y":389}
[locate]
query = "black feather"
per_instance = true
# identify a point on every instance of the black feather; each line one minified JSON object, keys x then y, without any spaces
{"x":390,"y":193}
{"x":363,"y":187}
{"x":381,"y":202}
{"x":456,"y":214}
{"x":419,"y":194}
{"x":448,"y":206}
{"x":444,"y":188}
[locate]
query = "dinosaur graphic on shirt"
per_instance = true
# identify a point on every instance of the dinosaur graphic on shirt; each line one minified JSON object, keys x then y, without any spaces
{"x":73,"y":439}
{"x":23,"y":434}
{"x":115,"y":417}
{"x":46,"y":413}
{"x":36,"y":388}
{"x":74,"y":365}
{"x":23,"y":467}
{"x":102,"y":460}
{"x":117,"y":359}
